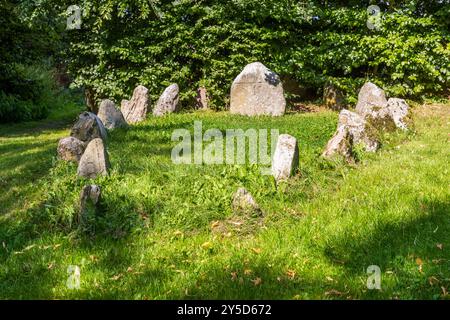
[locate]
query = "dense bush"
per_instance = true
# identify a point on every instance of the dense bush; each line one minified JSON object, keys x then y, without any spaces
{"x":26,"y":81}
{"x":208,"y":42}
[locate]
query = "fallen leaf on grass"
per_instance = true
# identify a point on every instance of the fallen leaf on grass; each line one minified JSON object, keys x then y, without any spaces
{"x":257,"y":250}
{"x":130,"y":269}
{"x":50,"y":266}
{"x":29,"y":247}
{"x":333,"y":292}
{"x":247,"y":272}
{"x":257,"y":281}
{"x":177,"y":233}
{"x":233,"y":276}
{"x":419,"y":262}
{"x":433,"y":280}
{"x":215,"y":224}
{"x":207,"y":245}
{"x":291,"y":274}
{"x":444,"y":291}
{"x":117,"y":277}
{"x":440,"y":246}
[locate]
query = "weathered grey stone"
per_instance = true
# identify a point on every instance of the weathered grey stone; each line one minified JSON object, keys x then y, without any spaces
{"x":111,"y":116}
{"x":135,"y":110}
{"x":168,"y":101}
{"x":70,"y":149}
{"x":352,"y":129}
{"x":285,"y":158}
{"x":94,"y":161}
{"x":243,"y":202}
{"x":257,"y":91}
{"x":88,"y":127}
{"x":333,"y":97}
{"x":370,"y":100}
{"x":397,"y":110}
{"x":202,"y":98}
{"x":89,"y":201}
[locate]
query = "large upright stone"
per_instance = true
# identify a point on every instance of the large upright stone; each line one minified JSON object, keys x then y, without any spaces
{"x":370,"y":100}
{"x":397,"y":110}
{"x":352,"y":129}
{"x":135,"y":110}
{"x":285,"y":158}
{"x":70,"y":149}
{"x":168,"y":101}
{"x":111,"y":116}
{"x":88,"y":127}
{"x":94,"y":161}
{"x":257,"y":91}
{"x":202,"y":98}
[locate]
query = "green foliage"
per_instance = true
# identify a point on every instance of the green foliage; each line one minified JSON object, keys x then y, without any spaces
{"x":29,"y":96}
{"x":26,"y":84}
{"x":208,"y":42}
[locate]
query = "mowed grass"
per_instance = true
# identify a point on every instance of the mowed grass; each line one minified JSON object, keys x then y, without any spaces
{"x":160,"y":234}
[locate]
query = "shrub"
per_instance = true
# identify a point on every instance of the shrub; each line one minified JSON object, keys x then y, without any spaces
{"x":28,"y":95}
{"x":208,"y":42}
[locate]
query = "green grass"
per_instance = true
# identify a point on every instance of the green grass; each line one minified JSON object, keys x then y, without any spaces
{"x":154,"y":238}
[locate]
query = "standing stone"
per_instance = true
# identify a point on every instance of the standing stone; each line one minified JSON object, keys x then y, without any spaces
{"x":243,"y":202}
{"x":135,"y":110}
{"x":370,"y":100}
{"x":285,"y":158}
{"x":89,"y":201}
{"x":111,"y":116}
{"x":70,"y":149}
{"x":168,"y":101}
{"x":202,"y":98}
{"x":94,"y":161}
{"x":257,"y":91}
{"x":397,"y":110}
{"x":352,"y":129}
{"x":88,"y":127}
{"x":333,"y":97}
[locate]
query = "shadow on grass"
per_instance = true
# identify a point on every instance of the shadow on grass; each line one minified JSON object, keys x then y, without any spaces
{"x":396,"y":247}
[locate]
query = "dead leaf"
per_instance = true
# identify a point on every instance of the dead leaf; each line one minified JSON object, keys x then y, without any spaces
{"x":207,"y":245}
{"x":291,"y":274}
{"x":130,"y":269}
{"x":440,"y":246}
{"x":117,"y":277}
{"x":233,"y":276}
{"x":215,"y":224}
{"x":50,"y":266}
{"x":257,"y":281}
{"x":257,"y":250}
{"x":93,"y":258}
{"x":56,"y":246}
{"x":177,"y":233}
{"x":419,"y":262}
{"x":333,"y":292}
{"x":444,"y":291}
{"x":433,"y":280}
{"x":247,"y":272}
{"x":330,"y":279}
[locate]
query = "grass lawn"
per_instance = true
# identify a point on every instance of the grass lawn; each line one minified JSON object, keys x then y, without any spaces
{"x":165,"y":231}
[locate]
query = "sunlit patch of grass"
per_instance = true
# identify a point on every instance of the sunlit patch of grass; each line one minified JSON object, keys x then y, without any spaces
{"x":155,"y":236}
